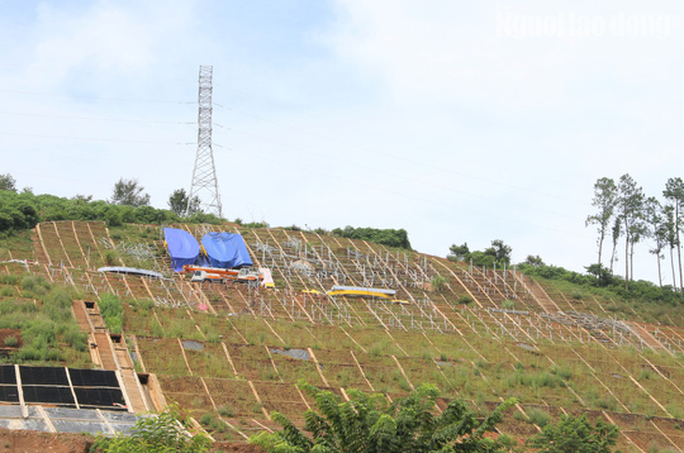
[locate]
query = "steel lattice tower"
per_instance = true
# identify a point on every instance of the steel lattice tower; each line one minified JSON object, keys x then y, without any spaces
{"x":204,"y":182}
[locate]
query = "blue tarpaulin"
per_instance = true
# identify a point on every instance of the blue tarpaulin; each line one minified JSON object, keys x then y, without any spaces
{"x":226,"y":250}
{"x":182,"y":246}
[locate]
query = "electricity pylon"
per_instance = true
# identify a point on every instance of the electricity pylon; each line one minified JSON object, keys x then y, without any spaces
{"x":204,"y":183}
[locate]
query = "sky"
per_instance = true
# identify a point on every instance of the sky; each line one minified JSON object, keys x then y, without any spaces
{"x":457,"y":121}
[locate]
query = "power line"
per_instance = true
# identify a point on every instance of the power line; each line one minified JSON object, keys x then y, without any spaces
{"x":412,"y":162}
{"x":92,"y":118}
{"x":96,"y":98}
{"x":378,"y":170}
{"x":92,"y":139}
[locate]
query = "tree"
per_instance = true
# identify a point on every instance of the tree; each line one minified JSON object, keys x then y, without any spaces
{"x":605,"y":197}
{"x":459,"y":252}
{"x":178,"y":203}
{"x":603,"y":275}
{"x":129,"y":192}
{"x":576,"y":435}
{"x":630,"y":207}
{"x":674,"y":193}
{"x":7,"y":182}
{"x":83,"y":198}
{"x":156,"y":434}
{"x":616,"y":232}
{"x":500,"y":251}
{"x":658,"y":231}
{"x":534,"y":260}
{"x":499,"y":254}
{"x":368,"y":424}
{"x":670,"y":238}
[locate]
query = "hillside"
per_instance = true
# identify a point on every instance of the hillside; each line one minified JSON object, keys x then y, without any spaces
{"x":232,"y":354}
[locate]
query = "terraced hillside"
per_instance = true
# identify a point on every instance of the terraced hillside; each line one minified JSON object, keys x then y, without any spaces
{"x":232,"y":354}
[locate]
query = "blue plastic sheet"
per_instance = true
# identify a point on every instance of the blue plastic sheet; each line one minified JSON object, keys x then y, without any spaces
{"x":183,"y":248}
{"x":226,"y":250}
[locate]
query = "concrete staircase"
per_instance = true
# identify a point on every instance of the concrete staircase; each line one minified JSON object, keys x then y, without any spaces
{"x":110,"y":352}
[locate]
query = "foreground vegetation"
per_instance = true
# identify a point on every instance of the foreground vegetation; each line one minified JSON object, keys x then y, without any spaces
{"x":163,"y":433}
{"x":369,"y":424}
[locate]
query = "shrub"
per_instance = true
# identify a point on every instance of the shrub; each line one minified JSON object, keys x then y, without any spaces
{"x":576,"y":434}
{"x":207,"y":419}
{"x":113,"y":218}
{"x":11,"y":341}
{"x":9,"y":279}
{"x":111,"y":310}
{"x":464,"y":300}
{"x":255,"y":225}
{"x":226,"y":411}
{"x":28,"y":283}
{"x":110,"y":257}
{"x":160,"y":434}
{"x":389,"y":237}
{"x":75,"y":338}
{"x":438,"y":282}
{"x":538,"y":417}
{"x":508,"y":304}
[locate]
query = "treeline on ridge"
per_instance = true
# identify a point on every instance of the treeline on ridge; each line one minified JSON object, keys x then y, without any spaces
{"x":389,"y":237}
{"x":20,"y":211}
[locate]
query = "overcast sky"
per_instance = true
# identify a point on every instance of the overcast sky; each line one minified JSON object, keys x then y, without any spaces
{"x":458,"y":121}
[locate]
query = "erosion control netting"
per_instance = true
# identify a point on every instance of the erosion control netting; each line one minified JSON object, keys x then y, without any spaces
{"x":60,"y":396}
{"x":7,"y":375}
{"x":99,"y":397}
{"x":93,"y":378}
{"x":50,"y":386}
{"x":42,"y":375}
{"x":9,"y":393}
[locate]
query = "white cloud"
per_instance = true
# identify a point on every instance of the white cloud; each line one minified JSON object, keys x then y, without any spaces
{"x":105,"y":42}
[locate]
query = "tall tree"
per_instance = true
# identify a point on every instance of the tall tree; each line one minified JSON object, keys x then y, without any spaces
{"x":7,"y":182}
{"x":129,"y":192}
{"x":178,"y":203}
{"x":630,"y":205}
{"x":674,"y":193}
{"x":670,"y":238}
{"x":605,"y":197}
{"x":616,"y":232}
{"x":658,"y":231}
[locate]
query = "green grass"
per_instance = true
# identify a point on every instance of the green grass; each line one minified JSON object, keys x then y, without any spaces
{"x":48,"y":329}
